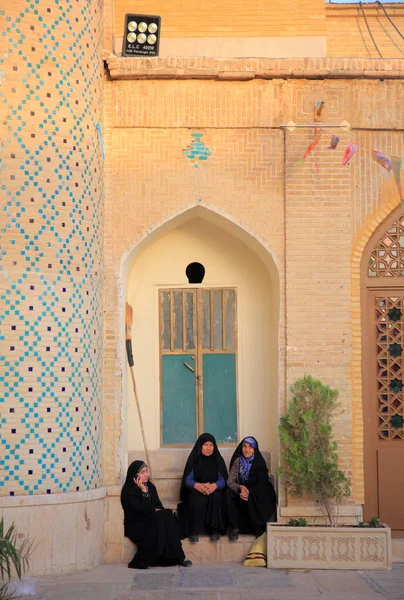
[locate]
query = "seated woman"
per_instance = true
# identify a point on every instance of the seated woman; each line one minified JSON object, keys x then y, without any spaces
{"x":150,"y":526}
{"x":202,"y":491}
{"x":251,"y":498}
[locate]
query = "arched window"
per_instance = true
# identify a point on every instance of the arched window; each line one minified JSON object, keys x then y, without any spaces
{"x":383,"y":371}
{"x":387,"y":257}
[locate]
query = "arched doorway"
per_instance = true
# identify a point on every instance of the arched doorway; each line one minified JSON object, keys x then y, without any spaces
{"x":383,"y":373}
{"x":206,"y":353}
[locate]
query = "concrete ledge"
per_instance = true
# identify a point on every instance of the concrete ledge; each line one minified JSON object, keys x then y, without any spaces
{"x":252,"y":68}
{"x":66,"y":534}
{"x":47,"y":499}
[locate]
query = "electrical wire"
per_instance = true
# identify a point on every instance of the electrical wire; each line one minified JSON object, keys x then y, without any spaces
{"x":370,"y":33}
{"x":387,"y":16}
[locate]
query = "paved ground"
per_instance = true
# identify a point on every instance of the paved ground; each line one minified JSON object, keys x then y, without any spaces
{"x":221,"y":582}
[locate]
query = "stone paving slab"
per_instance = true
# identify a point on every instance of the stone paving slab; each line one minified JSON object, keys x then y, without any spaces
{"x":221,"y":582}
{"x":206,"y":578}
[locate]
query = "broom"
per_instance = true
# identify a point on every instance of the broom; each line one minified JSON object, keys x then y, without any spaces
{"x":129,"y":353}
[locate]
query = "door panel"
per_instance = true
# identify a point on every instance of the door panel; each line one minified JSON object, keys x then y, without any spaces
{"x":178,"y":398}
{"x":383,"y":406}
{"x":198,"y":390}
{"x":219,"y":396}
{"x":391,"y":486}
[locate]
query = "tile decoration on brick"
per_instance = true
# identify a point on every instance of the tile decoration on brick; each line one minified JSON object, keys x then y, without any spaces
{"x":51,"y":225}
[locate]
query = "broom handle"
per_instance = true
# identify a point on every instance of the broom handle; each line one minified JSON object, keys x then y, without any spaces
{"x":129,"y":354}
{"x":140,"y":420}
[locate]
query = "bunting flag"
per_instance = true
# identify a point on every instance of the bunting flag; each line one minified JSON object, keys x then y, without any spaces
{"x":396,"y":168}
{"x":349,"y":152}
{"x":312,"y":145}
{"x":382,"y":160}
{"x":334,"y":142}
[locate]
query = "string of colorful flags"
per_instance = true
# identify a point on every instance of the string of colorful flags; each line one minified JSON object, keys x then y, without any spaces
{"x":392,"y":164}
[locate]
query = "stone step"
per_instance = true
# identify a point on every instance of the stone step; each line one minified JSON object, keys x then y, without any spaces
{"x":205,"y":551}
{"x":397,"y":550}
{"x":223,"y":550}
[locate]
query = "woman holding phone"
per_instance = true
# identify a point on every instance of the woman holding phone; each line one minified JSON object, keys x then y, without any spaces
{"x":148,"y":524}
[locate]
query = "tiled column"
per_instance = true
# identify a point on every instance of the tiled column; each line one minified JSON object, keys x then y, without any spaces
{"x":51,"y":217}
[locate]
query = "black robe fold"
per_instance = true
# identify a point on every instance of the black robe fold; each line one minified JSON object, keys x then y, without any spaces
{"x":155,"y":532}
{"x":251,"y":516}
{"x":199,"y":513}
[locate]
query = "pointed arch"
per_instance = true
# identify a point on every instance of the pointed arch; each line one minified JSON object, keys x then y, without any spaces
{"x":362,"y":247}
{"x":228,"y":227}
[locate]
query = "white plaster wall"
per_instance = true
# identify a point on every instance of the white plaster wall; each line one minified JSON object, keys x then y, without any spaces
{"x":228,"y":262}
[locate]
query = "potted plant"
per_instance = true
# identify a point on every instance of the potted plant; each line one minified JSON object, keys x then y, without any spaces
{"x":309,"y":467}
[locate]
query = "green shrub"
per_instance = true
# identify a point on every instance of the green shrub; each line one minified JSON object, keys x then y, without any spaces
{"x":13,"y":555}
{"x":300,"y":522}
{"x":309,"y":460}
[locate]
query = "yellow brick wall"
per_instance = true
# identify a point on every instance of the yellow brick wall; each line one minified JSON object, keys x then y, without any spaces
{"x":229,"y":18}
{"x":317,"y":211}
{"x":348,"y":36}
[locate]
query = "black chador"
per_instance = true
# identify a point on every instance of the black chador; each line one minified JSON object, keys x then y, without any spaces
{"x":202,"y":510}
{"x":251,"y":498}
{"x":150,"y":526}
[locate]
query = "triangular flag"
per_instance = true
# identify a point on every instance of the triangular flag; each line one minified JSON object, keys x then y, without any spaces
{"x":313,"y":144}
{"x":334,"y":142}
{"x":349,"y":152}
{"x":382,"y":160}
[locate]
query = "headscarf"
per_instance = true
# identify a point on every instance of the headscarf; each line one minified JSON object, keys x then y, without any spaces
{"x":246,"y":463}
{"x":133,"y":470}
{"x":205,"y":468}
{"x":257,"y":464}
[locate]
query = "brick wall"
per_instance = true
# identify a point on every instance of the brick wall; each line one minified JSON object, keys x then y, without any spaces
{"x":348,"y":35}
{"x":316,"y":211}
{"x":229,"y":18}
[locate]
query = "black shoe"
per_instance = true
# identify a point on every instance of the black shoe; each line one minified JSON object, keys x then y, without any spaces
{"x":215,"y":536}
{"x":186,"y":563}
{"x":194,"y":538}
{"x":233,"y":535}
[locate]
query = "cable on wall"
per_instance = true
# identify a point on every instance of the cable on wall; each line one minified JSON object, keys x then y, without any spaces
{"x":368,"y":28}
{"x":390,"y":21}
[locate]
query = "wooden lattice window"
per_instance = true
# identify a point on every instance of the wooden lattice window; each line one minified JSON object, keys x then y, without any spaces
{"x":390,"y":344}
{"x":387,"y":258}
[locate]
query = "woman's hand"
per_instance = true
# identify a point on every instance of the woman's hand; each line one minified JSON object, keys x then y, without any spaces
{"x":140,"y":484}
{"x":244,"y":492}
{"x":210,"y":488}
{"x":200,"y":487}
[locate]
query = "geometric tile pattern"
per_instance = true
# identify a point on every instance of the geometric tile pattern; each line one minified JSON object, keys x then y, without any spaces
{"x":51,"y":224}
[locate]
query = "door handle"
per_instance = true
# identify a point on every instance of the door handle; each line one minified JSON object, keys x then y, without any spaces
{"x":189,"y":367}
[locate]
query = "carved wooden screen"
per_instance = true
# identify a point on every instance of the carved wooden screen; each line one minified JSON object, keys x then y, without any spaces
{"x":389,"y":323}
{"x":383,"y":376}
{"x":387,"y":258}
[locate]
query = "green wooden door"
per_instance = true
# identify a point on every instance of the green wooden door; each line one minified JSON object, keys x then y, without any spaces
{"x":198,"y":365}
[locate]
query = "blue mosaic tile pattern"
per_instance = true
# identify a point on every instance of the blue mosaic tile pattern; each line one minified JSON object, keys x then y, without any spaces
{"x":197,"y":152}
{"x":51,"y":227}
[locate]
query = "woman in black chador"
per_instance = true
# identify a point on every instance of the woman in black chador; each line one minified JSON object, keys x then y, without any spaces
{"x":203,"y":491}
{"x":251,"y":498}
{"x":150,"y":526}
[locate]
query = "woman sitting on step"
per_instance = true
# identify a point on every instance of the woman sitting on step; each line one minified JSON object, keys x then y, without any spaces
{"x":203,"y":500}
{"x":251,"y":498}
{"x":147,"y":524}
